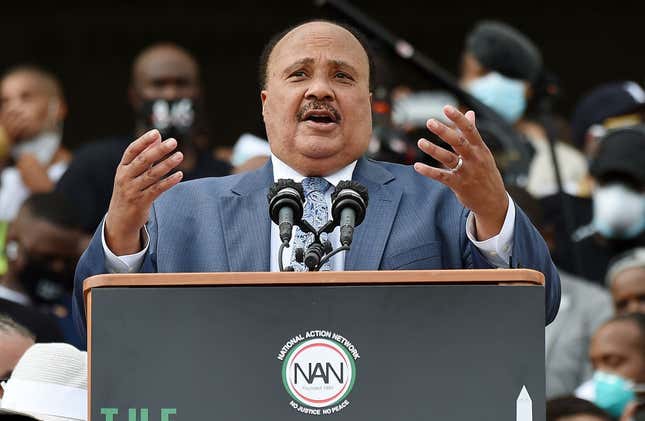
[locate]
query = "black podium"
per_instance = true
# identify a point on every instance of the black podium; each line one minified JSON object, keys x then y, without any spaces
{"x":458,"y":345}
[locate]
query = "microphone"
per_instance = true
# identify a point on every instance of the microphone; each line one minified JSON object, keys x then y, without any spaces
{"x":315,"y":253}
{"x":348,"y":206}
{"x":285,"y":206}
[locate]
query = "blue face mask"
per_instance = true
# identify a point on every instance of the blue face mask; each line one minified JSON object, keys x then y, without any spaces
{"x":612,"y":392}
{"x":504,"y":95}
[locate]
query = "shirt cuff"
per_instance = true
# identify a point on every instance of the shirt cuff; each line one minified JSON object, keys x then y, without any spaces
{"x":129,"y":263}
{"x":497,"y":250}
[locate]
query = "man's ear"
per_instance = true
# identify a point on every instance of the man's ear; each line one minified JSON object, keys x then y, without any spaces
{"x":263,"y":98}
{"x":59,"y":109}
{"x":63,"y":110}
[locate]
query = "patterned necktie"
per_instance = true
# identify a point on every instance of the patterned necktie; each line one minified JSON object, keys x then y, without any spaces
{"x":315,"y":212}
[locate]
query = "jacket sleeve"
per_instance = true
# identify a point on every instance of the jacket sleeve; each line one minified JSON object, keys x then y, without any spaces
{"x":92,"y":262}
{"x":531,"y":252}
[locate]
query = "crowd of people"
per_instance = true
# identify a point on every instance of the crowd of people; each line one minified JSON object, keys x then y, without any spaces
{"x":583,"y":189}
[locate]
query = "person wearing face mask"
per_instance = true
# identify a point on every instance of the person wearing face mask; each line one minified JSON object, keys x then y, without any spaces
{"x":501,"y":67}
{"x":165,"y":93}
{"x":32,"y":158}
{"x":32,"y":110}
{"x":43,"y":245}
{"x":617,"y":353}
{"x":607,"y":106}
{"x":570,"y":408}
{"x":618,"y":196}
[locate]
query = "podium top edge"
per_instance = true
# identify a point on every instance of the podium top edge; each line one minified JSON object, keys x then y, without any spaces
{"x":516,"y":277}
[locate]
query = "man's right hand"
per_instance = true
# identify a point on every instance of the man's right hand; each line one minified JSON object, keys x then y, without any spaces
{"x":137,"y":183}
{"x":15,"y":125}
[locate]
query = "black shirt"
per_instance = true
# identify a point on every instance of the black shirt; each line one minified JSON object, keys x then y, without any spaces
{"x":89,"y":179}
{"x":43,"y":326}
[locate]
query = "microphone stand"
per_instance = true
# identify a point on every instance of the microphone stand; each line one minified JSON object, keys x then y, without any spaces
{"x":332,"y":254}
{"x":327,"y":254}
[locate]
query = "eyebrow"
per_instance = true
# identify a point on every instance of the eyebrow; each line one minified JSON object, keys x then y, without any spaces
{"x":309,"y":60}
{"x":344,"y":64}
{"x":302,"y":62}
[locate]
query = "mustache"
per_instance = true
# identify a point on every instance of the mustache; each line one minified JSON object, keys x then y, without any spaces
{"x":318,"y":105}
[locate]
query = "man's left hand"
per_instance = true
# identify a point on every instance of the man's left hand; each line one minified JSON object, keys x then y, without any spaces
{"x":472,"y":174}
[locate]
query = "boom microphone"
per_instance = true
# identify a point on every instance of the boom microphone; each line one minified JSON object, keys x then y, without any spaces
{"x":348,"y":206}
{"x":285,"y":206}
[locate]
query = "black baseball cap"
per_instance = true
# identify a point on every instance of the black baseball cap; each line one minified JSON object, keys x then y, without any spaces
{"x":621,"y":151}
{"x":605,"y":101}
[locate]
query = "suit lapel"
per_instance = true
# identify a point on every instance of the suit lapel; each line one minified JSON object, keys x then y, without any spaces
{"x":371,"y":236}
{"x":246,"y":223}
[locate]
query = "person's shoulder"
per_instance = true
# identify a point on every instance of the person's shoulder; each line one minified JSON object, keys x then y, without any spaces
{"x":219,"y":183}
{"x":405,"y":177}
{"x":97,"y":158}
{"x":586,"y":290}
{"x":207,"y":186}
{"x":209,"y":166}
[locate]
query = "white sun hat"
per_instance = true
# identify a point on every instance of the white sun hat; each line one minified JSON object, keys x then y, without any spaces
{"x":49,"y":383}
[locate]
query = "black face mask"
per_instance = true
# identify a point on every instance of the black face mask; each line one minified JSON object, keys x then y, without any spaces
{"x":45,"y":286}
{"x":174,"y":118}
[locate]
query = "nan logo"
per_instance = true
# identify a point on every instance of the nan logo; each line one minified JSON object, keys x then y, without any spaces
{"x":318,"y":371}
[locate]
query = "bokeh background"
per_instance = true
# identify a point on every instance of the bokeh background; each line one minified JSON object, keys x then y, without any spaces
{"x":90,"y":46}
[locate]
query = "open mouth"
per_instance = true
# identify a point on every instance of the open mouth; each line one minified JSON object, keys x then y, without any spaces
{"x":320,"y":117}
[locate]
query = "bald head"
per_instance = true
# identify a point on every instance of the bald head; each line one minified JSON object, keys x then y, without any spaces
{"x":43,"y":80}
{"x":165,"y":71}
{"x":31,"y":102}
{"x":267,"y":52}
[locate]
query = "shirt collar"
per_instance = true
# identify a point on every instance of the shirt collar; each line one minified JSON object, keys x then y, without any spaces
{"x":282,"y":170}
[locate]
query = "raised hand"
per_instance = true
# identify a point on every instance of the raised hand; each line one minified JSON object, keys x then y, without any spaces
{"x":15,"y":126}
{"x":139,"y":180}
{"x":472,"y":174}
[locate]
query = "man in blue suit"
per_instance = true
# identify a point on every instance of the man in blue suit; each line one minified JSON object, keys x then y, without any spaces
{"x":316,"y":106}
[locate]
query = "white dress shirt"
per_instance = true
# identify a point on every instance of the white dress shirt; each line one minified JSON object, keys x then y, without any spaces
{"x":496,"y":250}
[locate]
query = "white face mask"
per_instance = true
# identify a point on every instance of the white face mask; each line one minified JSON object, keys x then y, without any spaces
{"x":43,"y":146}
{"x":502,"y":94}
{"x":618,"y":212}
